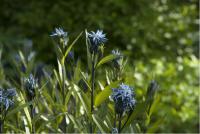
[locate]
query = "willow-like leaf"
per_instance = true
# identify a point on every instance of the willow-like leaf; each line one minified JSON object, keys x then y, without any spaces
{"x":19,"y":108}
{"x":89,"y":59}
{"x":103,"y":95}
{"x":70,"y":47}
{"x":106,"y":59}
{"x":138,"y":110}
{"x":100,"y":124}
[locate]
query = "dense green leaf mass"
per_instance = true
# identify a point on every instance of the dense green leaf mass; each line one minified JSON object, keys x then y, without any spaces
{"x":160,"y":39}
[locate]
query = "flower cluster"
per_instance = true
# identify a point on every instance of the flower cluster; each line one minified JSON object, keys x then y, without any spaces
{"x":59,"y":32}
{"x":153,"y":86}
{"x":123,"y":98}
{"x":83,"y":85}
{"x":96,"y":39}
{"x":114,"y":131}
{"x":116,"y":52}
{"x":117,"y":62}
{"x":30,"y":85}
{"x":70,"y":56}
{"x":6,"y":98}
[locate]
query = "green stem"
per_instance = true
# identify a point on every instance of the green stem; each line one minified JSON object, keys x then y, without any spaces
{"x":32,"y":117}
{"x":92,"y":92}
{"x":126,"y":120}
{"x":1,"y":126}
{"x":119,"y":125}
{"x":63,"y":123}
{"x":63,"y":86}
{"x":115,"y":121}
{"x":149,"y":108}
{"x":63,"y":94}
{"x":1,"y":121}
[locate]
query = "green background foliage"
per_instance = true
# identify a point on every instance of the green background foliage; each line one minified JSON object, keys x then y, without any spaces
{"x":160,"y":39}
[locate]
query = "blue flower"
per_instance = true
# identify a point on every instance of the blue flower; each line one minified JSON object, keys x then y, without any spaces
{"x":30,"y":85}
{"x":96,"y":39}
{"x":116,"y":52}
{"x":10,"y":93}
{"x":6,"y":98}
{"x":70,"y":56}
{"x":153,"y":86}
{"x":83,"y":85}
{"x":117,"y":62}
{"x":123,"y":98}
{"x":114,"y":131}
{"x":59,"y":32}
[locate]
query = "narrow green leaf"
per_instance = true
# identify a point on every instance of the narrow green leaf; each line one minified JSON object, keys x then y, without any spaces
{"x":107,"y":78}
{"x":67,"y":97}
{"x":70,"y":47}
{"x":84,"y":103}
{"x":26,"y":125}
{"x":22,"y":58}
{"x":139,"y":109}
{"x":106,"y":59}
{"x":19,"y":108}
{"x":100,"y":85}
{"x":100,"y":124}
{"x":76,"y":125}
{"x":88,"y":51}
{"x":86,"y":82}
{"x":16,"y":130}
{"x":48,"y":99}
{"x":49,"y":120}
{"x":83,"y":98}
{"x":154,"y":105}
{"x":57,"y":78}
{"x":154,"y":126}
{"x":103,"y":95}
{"x":28,"y":117}
{"x":60,"y":70}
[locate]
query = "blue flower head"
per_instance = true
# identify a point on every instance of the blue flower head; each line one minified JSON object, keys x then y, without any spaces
{"x":116,"y":52}
{"x":152,"y":88}
{"x":96,"y":39}
{"x":70,"y":56}
{"x":6,"y":98}
{"x":59,"y":32}
{"x":83,"y":85}
{"x":30,"y":85}
{"x":117,"y":62}
{"x":114,"y":131}
{"x":123,"y":98}
{"x":63,"y":36}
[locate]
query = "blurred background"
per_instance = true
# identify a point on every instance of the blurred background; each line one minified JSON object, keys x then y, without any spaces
{"x":160,"y":37}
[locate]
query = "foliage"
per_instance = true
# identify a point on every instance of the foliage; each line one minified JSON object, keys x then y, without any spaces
{"x":60,"y":105}
{"x":159,"y":40}
{"x":177,"y":107}
{"x":168,"y":27}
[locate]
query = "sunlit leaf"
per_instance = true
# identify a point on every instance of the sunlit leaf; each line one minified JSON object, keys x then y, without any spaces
{"x":103,"y":95}
{"x":102,"y":127}
{"x":70,"y":47}
{"x":106,"y":59}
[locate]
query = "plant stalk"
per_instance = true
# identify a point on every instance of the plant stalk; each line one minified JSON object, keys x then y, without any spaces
{"x":1,"y":121}
{"x":63,"y":86}
{"x":32,"y":117}
{"x":115,"y":121}
{"x":1,"y":126}
{"x":92,"y":92}
{"x":63,"y":93}
{"x":119,"y":125}
{"x":127,"y":120}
